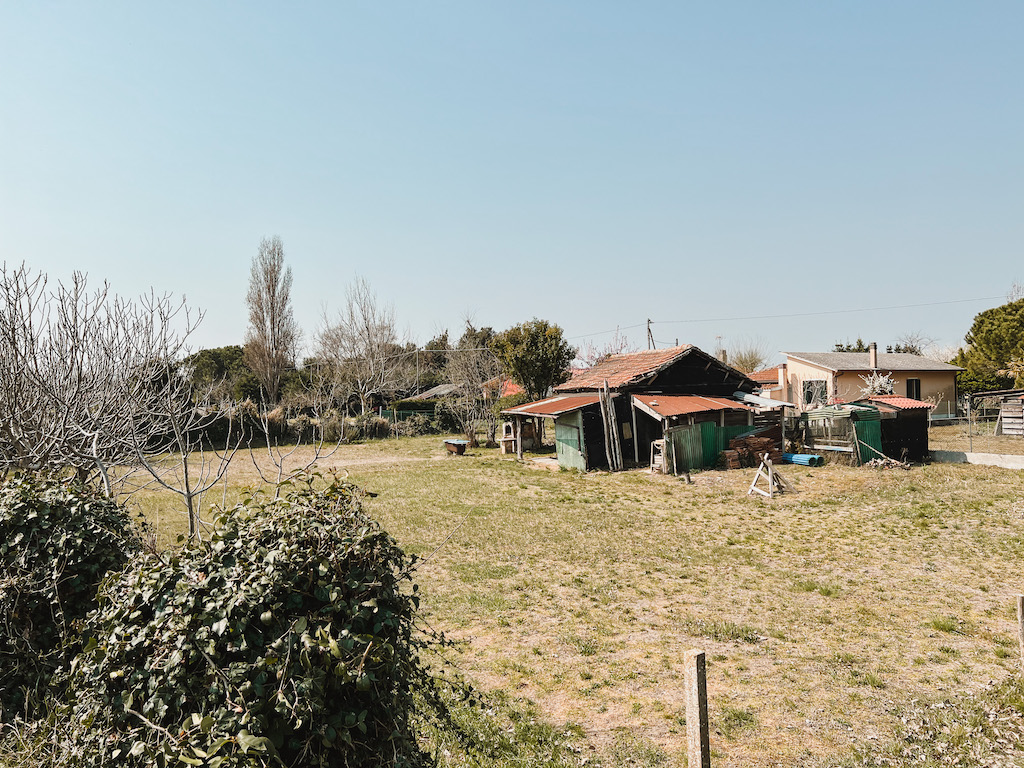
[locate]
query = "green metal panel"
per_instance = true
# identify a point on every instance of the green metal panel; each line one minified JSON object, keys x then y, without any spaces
{"x":683,"y":450}
{"x":709,"y":443}
{"x":869,"y":435}
{"x":569,"y":441}
{"x":715,"y":439}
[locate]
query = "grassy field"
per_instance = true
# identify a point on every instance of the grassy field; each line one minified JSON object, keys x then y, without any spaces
{"x":981,"y":439}
{"x":824,"y":614}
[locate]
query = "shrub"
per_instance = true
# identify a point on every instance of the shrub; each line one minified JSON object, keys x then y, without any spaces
{"x":333,"y":427}
{"x":287,"y":639}
{"x":369,"y":426}
{"x":413,"y":405}
{"x":57,"y":542}
{"x":415,"y":425}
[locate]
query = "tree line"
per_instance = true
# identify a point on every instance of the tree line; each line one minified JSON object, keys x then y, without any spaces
{"x":359,"y":360}
{"x":106,"y":389}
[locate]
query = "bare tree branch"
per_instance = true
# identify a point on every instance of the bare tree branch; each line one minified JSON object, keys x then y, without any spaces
{"x":362,"y":349}
{"x":272,"y":339}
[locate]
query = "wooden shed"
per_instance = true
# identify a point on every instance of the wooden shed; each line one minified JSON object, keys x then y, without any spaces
{"x":681,"y":395}
{"x":903,"y":424}
{"x":579,"y":431}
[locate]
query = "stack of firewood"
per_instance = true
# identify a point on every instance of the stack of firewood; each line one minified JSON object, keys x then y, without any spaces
{"x":748,"y":452}
{"x":730,"y":460}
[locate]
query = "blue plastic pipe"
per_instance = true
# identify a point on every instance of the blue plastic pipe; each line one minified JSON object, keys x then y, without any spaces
{"x":807,"y":459}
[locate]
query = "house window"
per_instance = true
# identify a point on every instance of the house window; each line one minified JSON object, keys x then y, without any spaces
{"x":914,"y":388}
{"x":815,"y":392}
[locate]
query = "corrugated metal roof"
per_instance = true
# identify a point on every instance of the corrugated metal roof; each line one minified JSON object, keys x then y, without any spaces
{"x":619,"y":370}
{"x":762,"y":402}
{"x":679,"y":405}
{"x":554,"y":406}
{"x":860,"y":361}
{"x":439,"y":391}
{"x":897,"y":401}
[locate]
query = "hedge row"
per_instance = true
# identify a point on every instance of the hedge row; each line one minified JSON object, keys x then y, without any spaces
{"x":286,"y":639}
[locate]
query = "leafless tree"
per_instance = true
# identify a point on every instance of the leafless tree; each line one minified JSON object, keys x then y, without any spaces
{"x":471,"y":369}
{"x":362,"y":347}
{"x":749,"y":354}
{"x":67,"y":357}
{"x":590,"y":354}
{"x":91,"y":383}
{"x":272,"y":339}
{"x":315,"y":405}
{"x":913,"y":342}
{"x":168,"y":436}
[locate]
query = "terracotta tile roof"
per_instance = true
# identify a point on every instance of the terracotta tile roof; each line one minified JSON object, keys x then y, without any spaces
{"x":554,"y":406}
{"x":767,"y":376}
{"x":897,"y":401}
{"x":678,"y":405}
{"x":619,"y":370}
{"x":508,"y":388}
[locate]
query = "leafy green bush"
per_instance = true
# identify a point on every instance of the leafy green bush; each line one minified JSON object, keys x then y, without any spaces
{"x":288,"y":638}
{"x":57,"y":542}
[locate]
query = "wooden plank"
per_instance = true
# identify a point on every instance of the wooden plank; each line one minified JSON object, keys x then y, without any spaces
{"x":1020,"y":626}
{"x":697,"y":737}
{"x":636,"y":437}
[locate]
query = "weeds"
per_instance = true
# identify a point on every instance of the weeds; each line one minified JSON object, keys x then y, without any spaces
{"x":723,"y":630}
{"x":633,"y":750}
{"x":973,"y":732}
{"x":734,"y":719}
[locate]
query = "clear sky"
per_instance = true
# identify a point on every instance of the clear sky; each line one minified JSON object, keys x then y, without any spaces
{"x":595,"y":164}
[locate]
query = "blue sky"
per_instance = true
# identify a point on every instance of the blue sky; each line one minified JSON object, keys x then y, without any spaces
{"x":592,"y":163}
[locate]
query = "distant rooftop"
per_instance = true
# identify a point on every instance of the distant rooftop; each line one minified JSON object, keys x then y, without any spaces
{"x":860,"y":361}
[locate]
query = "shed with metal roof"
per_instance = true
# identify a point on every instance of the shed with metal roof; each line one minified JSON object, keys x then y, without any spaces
{"x":649,"y":394}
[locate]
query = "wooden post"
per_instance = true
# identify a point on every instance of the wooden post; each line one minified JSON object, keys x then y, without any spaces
{"x":697,"y":739}
{"x":1020,"y":625}
{"x":519,"y":437}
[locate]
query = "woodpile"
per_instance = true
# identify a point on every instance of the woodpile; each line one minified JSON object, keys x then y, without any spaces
{"x":748,"y":451}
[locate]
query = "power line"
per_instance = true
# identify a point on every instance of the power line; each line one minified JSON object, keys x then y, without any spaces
{"x":787,"y":315}
{"x":826,"y":312}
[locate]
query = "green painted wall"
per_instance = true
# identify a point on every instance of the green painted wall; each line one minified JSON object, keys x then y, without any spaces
{"x":569,"y":441}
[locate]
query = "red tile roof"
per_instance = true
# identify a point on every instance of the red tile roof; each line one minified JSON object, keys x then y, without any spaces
{"x":509,"y":388}
{"x":678,"y":405}
{"x":897,"y":401}
{"x":554,"y":406}
{"x":767,"y":376}
{"x":619,"y":370}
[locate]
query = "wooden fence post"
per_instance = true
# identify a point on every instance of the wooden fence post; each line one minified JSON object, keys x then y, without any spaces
{"x":1020,"y":626}
{"x":698,"y":743}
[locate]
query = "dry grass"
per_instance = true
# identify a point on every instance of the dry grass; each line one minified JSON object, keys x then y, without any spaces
{"x":823,"y":613}
{"x":982,"y":439}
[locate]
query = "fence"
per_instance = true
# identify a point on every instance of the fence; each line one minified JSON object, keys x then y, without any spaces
{"x":697,"y":446}
{"x":396,"y":416}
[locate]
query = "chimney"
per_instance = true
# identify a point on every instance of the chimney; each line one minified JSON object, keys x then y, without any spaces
{"x":782,"y":379}
{"x":873,"y":356}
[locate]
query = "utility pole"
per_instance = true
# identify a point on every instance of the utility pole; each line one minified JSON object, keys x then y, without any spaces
{"x":650,"y":335}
